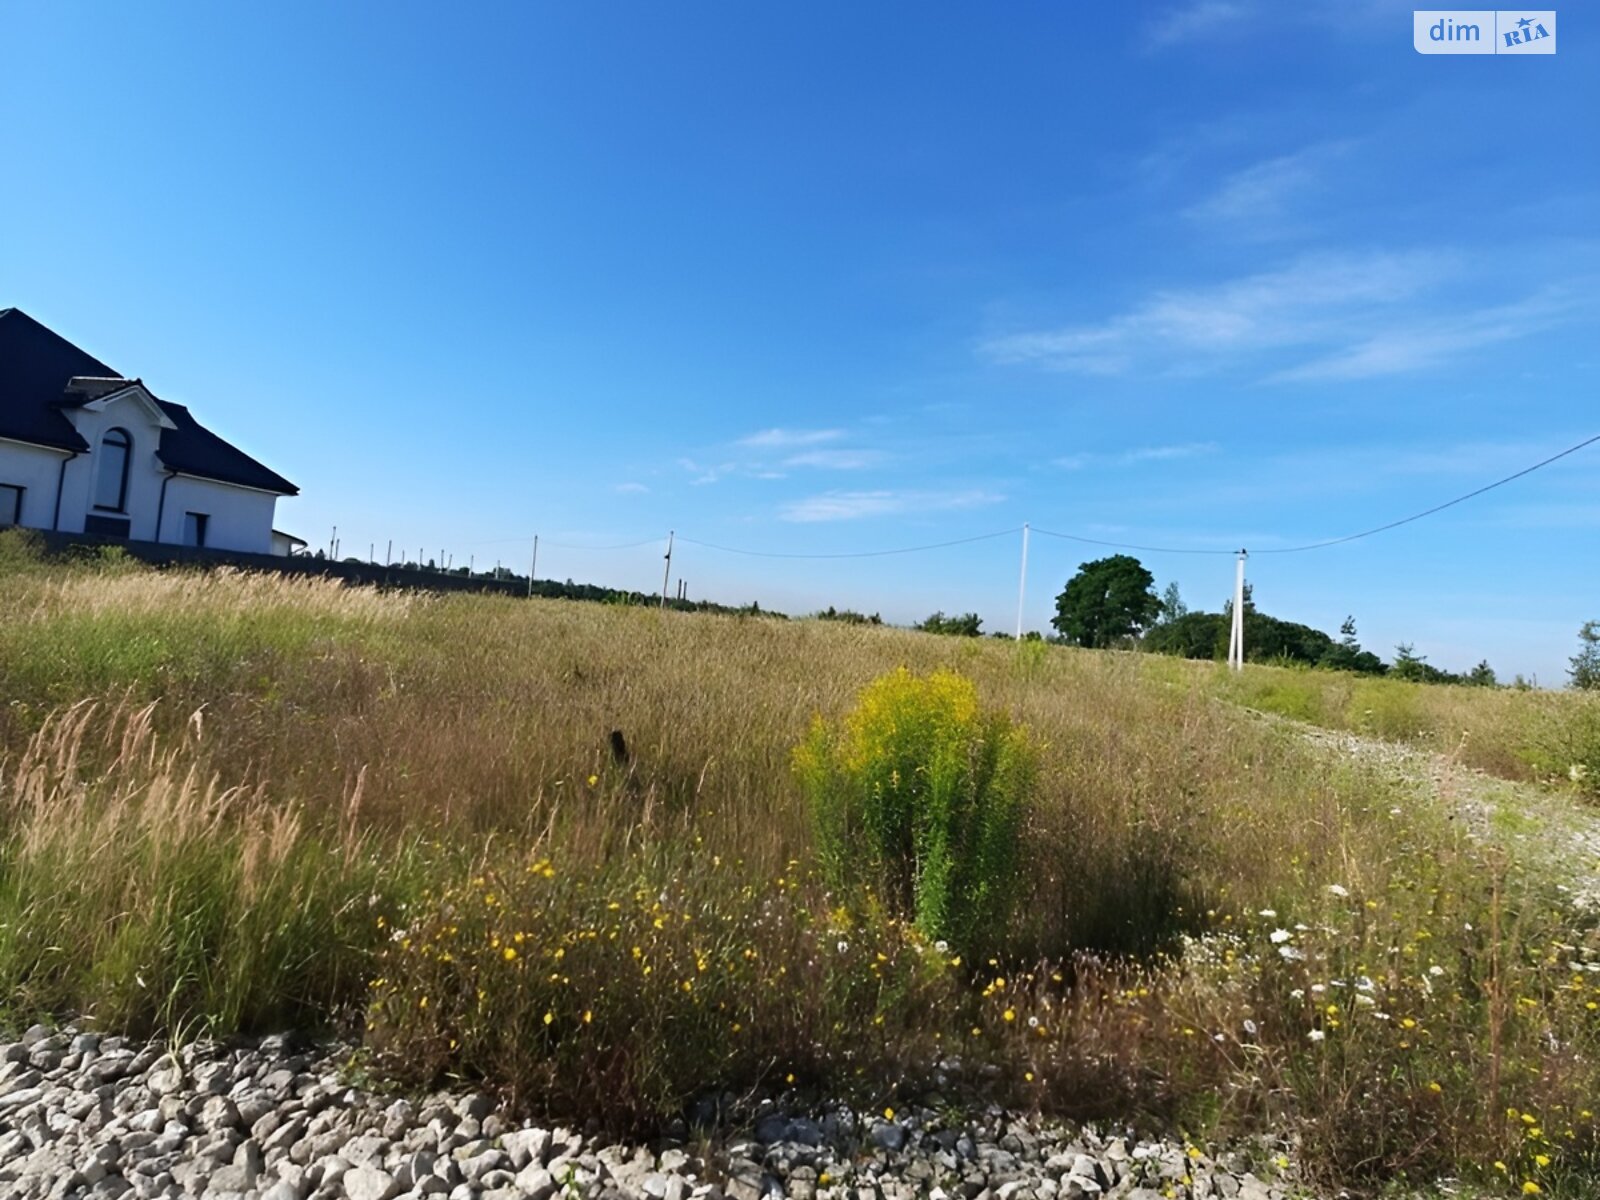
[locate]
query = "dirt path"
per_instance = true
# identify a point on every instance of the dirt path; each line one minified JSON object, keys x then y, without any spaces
{"x":1543,"y":828}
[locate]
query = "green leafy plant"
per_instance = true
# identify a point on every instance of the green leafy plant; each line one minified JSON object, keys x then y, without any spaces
{"x":918,"y":796}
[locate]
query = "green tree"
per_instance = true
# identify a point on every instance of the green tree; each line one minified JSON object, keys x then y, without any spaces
{"x":1107,"y":601}
{"x":1585,"y":668}
{"x":1172,"y":606}
{"x":1193,"y":635}
{"x":965,"y":625}
{"x":1482,"y":675}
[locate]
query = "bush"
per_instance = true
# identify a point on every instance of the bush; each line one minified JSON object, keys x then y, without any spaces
{"x":918,"y":796}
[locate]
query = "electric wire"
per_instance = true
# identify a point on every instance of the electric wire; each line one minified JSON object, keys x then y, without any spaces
{"x":1338,"y":541}
{"x":982,"y":537}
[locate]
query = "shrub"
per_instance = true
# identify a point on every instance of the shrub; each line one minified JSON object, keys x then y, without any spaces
{"x":919,"y":796}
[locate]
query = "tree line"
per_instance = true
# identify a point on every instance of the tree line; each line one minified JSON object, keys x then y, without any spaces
{"x":1112,"y":603}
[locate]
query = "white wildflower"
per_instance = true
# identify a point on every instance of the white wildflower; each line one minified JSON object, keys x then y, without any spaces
{"x":1298,"y":994}
{"x":1268,"y":913}
{"x":1316,"y":1035}
{"x":1291,"y":954}
{"x":843,"y":946}
{"x":1436,"y":970}
{"x":1339,"y":890}
{"x":1280,"y":936}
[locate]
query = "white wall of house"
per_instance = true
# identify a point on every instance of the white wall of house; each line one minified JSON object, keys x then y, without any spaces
{"x":144,"y":468}
{"x":36,"y":471}
{"x":237,"y":518}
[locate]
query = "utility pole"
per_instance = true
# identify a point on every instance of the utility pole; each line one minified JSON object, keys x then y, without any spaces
{"x":667,"y":574}
{"x":388,"y":554}
{"x":1022,"y":584}
{"x":333,"y":542}
{"x":1236,"y":634}
{"x":533,"y":566}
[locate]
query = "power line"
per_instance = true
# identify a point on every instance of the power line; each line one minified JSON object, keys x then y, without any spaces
{"x":982,"y":537}
{"x":568,"y":545}
{"x":1338,"y":541}
{"x":1488,"y":487}
{"x":1072,"y":537}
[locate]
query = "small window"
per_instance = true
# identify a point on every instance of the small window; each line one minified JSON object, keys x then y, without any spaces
{"x":10,"y":505}
{"x":194,"y":528}
{"x":111,"y":475}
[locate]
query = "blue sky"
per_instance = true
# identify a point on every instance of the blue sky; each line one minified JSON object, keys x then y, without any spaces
{"x":831,"y":277}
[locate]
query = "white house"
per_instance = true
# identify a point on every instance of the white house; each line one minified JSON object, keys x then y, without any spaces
{"x":84,"y":449}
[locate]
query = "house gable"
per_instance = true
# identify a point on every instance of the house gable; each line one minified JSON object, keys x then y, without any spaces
{"x":132,"y":391}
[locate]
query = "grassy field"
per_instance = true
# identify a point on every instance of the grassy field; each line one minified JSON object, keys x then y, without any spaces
{"x":1521,"y":734}
{"x":243,"y":802}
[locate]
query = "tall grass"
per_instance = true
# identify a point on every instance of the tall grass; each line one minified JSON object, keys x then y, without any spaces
{"x":1515,"y":733}
{"x":402,"y":816}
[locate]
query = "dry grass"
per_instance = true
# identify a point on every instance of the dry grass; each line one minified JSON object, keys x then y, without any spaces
{"x":1521,"y":734}
{"x":246,"y":802}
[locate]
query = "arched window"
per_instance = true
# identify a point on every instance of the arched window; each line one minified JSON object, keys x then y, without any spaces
{"x":111,"y":476}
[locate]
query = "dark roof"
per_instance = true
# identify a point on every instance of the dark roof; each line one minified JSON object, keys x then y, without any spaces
{"x":35,"y":366}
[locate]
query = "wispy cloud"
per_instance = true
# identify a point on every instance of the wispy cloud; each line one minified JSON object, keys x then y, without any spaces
{"x":1190,"y":22}
{"x":1357,"y":316}
{"x":835,"y":460}
{"x":781,"y":439}
{"x":1418,"y":345}
{"x":1256,"y":199}
{"x":1128,"y":458}
{"x":632,"y":489}
{"x":853,"y":506}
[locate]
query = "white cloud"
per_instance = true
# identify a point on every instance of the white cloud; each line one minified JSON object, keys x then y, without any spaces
{"x":1420,"y":344}
{"x":1359,"y":315}
{"x":851,"y":506}
{"x":835,"y":460}
{"x":632,"y":489}
{"x":1201,"y":19}
{"x":1143,"y":454}
{"x":784,"y":438}
{"x":1257,"y":198}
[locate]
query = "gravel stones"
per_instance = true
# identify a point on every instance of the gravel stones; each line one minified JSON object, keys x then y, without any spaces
{"x":85,"y":1115}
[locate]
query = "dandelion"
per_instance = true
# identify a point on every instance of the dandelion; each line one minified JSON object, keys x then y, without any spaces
{"x":588,"y":1018}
